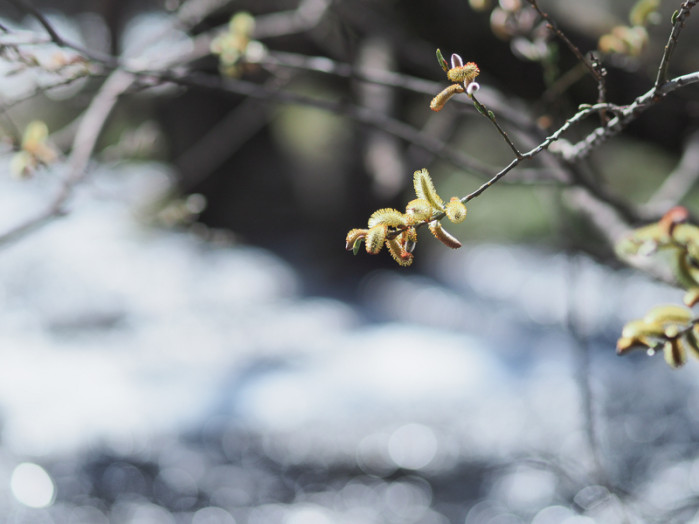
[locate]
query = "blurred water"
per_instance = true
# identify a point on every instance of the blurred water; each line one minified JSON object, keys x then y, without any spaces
{"x":150,"y":376}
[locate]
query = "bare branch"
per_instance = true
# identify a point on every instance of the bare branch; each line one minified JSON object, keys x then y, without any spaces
{"x":491,"y":116}
{"x":679,"y":182}
{"x":678,"y":21}
{"x":573,"y":152}
{"x":88,"y":131}
{"x":592,"y":66}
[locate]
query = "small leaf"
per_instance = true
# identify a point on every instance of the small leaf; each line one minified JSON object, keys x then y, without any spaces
{"x":442,"y":61}
{"x":674,"y":17}
{"x":357,"y":246}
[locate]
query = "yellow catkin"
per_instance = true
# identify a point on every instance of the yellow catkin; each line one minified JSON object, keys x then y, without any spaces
{"x":456,"y":210}
{"x":442,"y":98}
{"x":443,"y":236}
{"x":424,"y":188}
{"x":418,"y":210}
{"x":388,"y":216}
{"x":464,"y":74}
{"x":675,"y":353}
{"x":398,"y":253}
{"x":375,"y":238}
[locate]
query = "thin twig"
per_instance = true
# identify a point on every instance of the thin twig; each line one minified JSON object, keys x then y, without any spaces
{"x":482,"y":109}
{"x":86,"y":136}
{"x":596,"y":72}
{"x":56,"y":38}
{"x":573,"y":152}
{"x":360,"y":114}
{"x":678,"y":21}
{"x":321,"y":64}
{"x":584,"y":112}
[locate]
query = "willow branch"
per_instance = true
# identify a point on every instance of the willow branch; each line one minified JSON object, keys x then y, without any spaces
{"x":594,"y":69}
{"x":678,"y":20}
{"x":89,"y":129}
{"x":579,"y":150}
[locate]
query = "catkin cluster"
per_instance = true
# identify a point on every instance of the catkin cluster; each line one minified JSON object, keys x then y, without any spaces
{"x":397,"y":230}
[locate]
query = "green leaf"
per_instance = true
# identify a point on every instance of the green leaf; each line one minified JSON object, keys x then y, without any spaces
{"x":674,"y":17}
{"x":357,"y":246}
{"x":442,"y":62}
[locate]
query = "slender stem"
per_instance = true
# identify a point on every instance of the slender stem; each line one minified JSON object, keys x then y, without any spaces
{"x":679,"y":19}
{"x":91,"y":124}
{"x":491,"y":116}
{"x":596,"y":72}
{"x":584,"y":112}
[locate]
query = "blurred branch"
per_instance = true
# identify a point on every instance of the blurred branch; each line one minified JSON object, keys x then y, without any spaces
{"x":89,"y":129}
{"x":360,"y":114}
{"x":679,"y":182}
{"x":592,"y":65}
{"x":321,"y":64}
{"x":306,"y":16}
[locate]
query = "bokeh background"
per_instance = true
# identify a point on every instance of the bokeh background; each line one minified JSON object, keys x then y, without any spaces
{"x":191,"y":343}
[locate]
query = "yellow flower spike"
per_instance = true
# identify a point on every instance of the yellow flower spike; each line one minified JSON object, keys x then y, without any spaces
{"x":464,"y":74}
{"x":625,"y":344}
{"x":456,"y":210}
{"x":643,"y":11}
{"x":375,"y":238}
{"x":388,"y":216}
{"x":424,"y":188}
{"x":665,"y":315}
{"x":443,"y":97}
{"x":354,"y":236}
{"x":691,"y":297}
{"x":640,"y":331}
{"x":418,"y":210}
{"x":675,"y":353}
{"x":399,"y":254}
{"x":443,"y":236}
{"x":692,"y":341}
